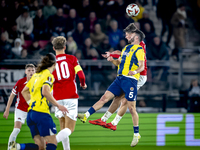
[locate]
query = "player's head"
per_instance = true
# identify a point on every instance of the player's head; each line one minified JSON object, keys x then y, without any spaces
{"x":135,"y":37}
{"x":59,"y":43}
{"x":29,"y":70}
{"x":47,"y":62}
{"x":130,"y":28}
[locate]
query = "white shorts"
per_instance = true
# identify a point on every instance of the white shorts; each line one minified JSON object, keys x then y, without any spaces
{"x":142,"y":80}
{"x":20,"y":116}
{"x":72,"y":107}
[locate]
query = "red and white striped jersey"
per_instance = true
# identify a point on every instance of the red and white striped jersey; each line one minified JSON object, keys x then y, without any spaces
{"x":21,"y":103}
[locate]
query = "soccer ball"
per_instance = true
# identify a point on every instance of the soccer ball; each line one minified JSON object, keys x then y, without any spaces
{"x":132,"y":10}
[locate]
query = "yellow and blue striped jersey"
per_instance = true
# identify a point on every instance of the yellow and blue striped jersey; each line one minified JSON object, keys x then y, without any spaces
{"x":38,"y":102}
{"x":130,"y":56}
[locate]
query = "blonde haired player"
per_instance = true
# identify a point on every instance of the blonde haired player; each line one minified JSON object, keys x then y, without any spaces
{"x":65,"y":88}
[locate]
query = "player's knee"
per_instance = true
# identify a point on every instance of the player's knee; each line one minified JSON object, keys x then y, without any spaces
{"x":124,"y":102}
{"x":104,"y":99}
{"x":132,"y":110}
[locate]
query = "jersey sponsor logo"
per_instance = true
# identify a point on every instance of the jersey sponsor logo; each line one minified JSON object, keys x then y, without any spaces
{"x":125,"y":53}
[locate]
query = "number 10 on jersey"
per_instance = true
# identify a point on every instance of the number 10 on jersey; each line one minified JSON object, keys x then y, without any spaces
{"x":63,"y":69}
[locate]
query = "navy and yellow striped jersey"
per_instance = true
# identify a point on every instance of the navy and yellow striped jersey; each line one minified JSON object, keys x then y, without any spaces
{"x":130,"y":56}
{"x":38,"y":102}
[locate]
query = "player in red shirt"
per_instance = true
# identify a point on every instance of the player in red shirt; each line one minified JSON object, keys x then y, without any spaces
{"x":21,"y":105}
{"x":65,"y":88}
{"x":116,"y":102}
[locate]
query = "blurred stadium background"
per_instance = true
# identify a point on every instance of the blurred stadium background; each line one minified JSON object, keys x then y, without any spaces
{"x":169,"y":117}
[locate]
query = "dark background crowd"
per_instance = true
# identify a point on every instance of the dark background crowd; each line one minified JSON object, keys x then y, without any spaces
{"x":90,"y":26}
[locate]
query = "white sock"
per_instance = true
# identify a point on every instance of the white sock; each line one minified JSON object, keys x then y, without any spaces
{"x":66,"y":144}
{"x":64,"y":133}
{"x":116,"y":120}
{"x":87,"y":114}
{"x":13,"y":135}
{"x":106,"y":116}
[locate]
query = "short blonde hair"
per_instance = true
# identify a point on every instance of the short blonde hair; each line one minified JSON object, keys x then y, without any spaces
{"x":29,"y":65}
{"x":59,"y":42}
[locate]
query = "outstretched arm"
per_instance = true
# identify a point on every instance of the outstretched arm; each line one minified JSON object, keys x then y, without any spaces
{"x":118,"y":52}
{"x":114,"y":54}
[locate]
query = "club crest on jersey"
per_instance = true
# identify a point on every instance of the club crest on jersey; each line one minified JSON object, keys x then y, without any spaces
{"x":49,"y":79}
{"x":131,"y":88}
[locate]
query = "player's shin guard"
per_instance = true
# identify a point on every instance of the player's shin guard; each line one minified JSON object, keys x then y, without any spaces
{"x":51,"y":146}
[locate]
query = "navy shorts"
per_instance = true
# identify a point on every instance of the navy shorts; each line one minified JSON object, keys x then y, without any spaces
{"x":40,"y":124}
{"x":124,"y":84}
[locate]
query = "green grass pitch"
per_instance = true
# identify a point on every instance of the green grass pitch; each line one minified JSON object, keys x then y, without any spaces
{"x":91,"y":137}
